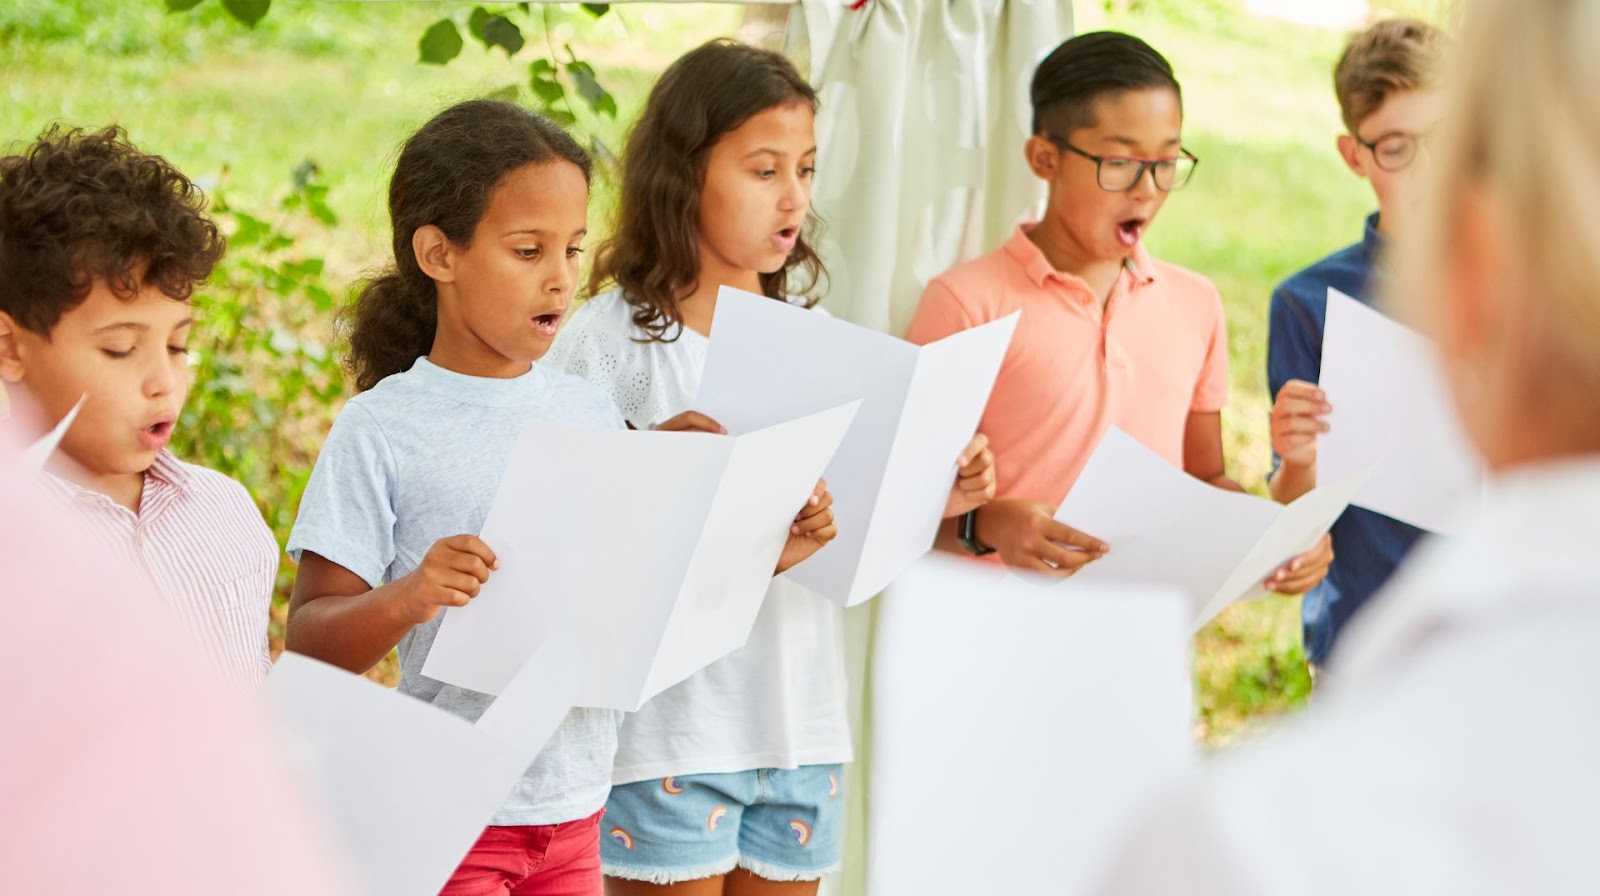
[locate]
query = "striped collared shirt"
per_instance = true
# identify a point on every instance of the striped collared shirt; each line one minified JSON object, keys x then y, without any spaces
{"x":203,"y":543}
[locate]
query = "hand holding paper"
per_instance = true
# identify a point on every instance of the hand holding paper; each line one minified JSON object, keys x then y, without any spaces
{"x":1026,"y":537}
{"x":975,"y":478}
{"x":1168,"y":528}
{"x":919,"y":407}
{"x":653,"y":550}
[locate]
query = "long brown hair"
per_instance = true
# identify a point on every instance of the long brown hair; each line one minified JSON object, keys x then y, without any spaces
{"x":446,"y":175}
{"x":653,"y":254}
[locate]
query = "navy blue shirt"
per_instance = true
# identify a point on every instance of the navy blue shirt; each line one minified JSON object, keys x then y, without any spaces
{"x":1367,"y":546}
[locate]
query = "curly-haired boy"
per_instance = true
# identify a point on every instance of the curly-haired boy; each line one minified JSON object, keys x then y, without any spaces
{"x":101,"y":246}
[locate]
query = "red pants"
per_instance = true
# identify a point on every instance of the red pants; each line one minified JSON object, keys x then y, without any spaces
{"x":532,"y":860}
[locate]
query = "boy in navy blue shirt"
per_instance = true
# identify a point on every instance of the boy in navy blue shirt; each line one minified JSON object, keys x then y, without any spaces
{"x":1384,"y":84}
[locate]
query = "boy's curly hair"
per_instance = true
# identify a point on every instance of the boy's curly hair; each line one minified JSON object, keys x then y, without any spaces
{"x":78,"y":206}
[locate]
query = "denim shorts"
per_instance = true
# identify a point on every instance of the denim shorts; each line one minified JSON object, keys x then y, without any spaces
{"x":778,"y":824}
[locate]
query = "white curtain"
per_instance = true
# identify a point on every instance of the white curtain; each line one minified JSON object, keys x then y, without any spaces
{"x":924,"y":113}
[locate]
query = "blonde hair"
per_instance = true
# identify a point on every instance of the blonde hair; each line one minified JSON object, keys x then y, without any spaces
{"x":1522,"y":124}
{"x":1393,"y":56}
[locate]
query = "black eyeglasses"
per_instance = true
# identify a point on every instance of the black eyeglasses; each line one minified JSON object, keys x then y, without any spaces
{"x":1395,"y":151}
{"x":1118,"y":174}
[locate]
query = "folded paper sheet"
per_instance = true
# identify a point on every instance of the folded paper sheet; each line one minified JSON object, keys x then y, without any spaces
{"x":1392,"y":410}
{"x":35,"y":456}
{"x":406,"y":786}
{"x":1016,"y":733}
{"x":771,"y":361}
{"x":651,"y":549}
{"x":1166,"y":527}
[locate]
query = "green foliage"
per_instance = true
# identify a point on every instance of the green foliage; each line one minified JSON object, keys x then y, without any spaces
{"x":440,"y":43}
{"x":267,"y":381}
{"x":552,"y":85}
{"x":247,"y":11}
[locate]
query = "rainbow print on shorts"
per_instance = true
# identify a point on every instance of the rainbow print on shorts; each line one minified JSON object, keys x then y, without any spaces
{"x":671,"y":785}
{"x":802,"y":831}
{"x":833,"y":785}
{"x":623,"y":838}
{"x":717,"y":815}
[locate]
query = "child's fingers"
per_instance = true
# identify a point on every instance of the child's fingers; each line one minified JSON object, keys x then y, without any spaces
{"x":976,"y":482}
{"x":1300,"y":426}
{"x":472,"y":544}
{"x":471,"y":564}
{"x":1304,"y":391}
{"x":821,"y":505}
{"x":1069,"y":560}
{"x":458,"y":582}
{"x":692,"y":421}
{"x":819,"y":491}
{"x":978,"y":464}
{"x":974,"y":451}
{"x":1300,"y":407}
{"x":812,"y":523}
{"x":826,"y":533}
{"x":1062,"y":534}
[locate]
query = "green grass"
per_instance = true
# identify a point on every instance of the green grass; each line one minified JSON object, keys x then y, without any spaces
{"x":337,"y":83}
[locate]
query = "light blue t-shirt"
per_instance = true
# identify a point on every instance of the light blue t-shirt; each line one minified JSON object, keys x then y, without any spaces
{"x":418,"y":458}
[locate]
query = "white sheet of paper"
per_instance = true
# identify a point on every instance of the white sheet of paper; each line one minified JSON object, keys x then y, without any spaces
{"x":919,"y":407}
{"x":408,"y":787}
{"x":653,"y":550}
{"x":1167,"y":528}
{"x":36,"y":455}
{"x":1015,"y":733}
{"x":1393,"y":410}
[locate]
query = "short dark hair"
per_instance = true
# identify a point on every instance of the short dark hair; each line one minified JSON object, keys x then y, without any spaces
{"x":78,"y":206}
{"x":1087,"y":67}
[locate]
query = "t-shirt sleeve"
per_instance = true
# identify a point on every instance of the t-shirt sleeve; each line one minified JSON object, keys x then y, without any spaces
{"x":1294,"y":341}
{"x":940,"y":313}
{"x":347,"y":514}
{"x":1211,"y":391}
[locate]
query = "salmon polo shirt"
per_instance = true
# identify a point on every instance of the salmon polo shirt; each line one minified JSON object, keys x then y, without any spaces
{"x":1157,"y":351}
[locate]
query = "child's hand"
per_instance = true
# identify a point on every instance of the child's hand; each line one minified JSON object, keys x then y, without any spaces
{"x":813,"y":527}
{"x":974,"y":479}
{"x":1297,"y":421}
{"x":450,"y":575}
{"x":1027,"y":536}
{"x":1304,"y":572}
{"x":692,"y":421}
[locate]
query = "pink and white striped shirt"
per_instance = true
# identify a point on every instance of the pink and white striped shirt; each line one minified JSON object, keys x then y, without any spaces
{"x":207,"y":550}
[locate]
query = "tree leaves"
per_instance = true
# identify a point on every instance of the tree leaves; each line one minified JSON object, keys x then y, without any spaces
{"x":247,"y":11}
{"x":596,"y":9}
{"x":495,"y":30}
{"x":181,"y":5}
{"x":440,"y":43}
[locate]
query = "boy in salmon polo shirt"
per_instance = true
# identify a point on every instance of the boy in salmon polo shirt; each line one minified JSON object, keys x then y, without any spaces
{"x":1109,"y":336}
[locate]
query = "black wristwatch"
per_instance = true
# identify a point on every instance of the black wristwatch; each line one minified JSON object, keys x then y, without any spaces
{"x":967,"y":534}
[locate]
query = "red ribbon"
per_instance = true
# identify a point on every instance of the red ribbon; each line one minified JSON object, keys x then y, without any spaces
{"x":858,"y":4}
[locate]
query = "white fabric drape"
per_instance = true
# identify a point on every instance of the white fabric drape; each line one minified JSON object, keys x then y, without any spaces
{"x":924,"y":112}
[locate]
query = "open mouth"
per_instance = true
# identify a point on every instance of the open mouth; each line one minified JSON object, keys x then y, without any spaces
{"x":786,"y":238}
{"x":1129,"y":230}
{"x":156,"y":435}
{"x":547,"y":324}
